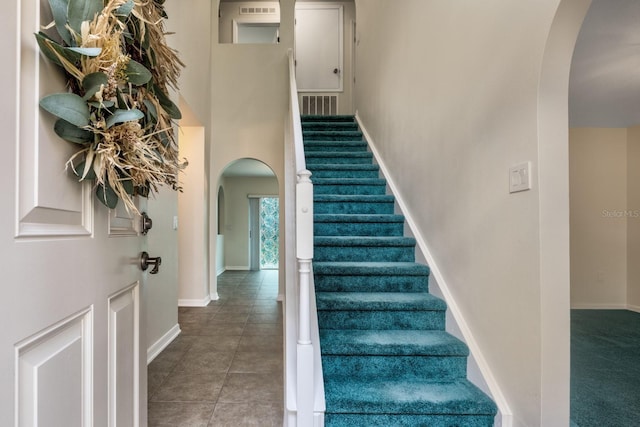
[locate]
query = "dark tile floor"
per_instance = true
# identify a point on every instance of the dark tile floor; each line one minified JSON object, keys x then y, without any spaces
{"x":225,"y":368}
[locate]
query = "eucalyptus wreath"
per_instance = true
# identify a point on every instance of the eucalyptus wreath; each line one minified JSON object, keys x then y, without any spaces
{"x":117,"y":109}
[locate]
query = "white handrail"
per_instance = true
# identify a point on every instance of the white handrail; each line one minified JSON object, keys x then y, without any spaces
{"x":304,"y":387}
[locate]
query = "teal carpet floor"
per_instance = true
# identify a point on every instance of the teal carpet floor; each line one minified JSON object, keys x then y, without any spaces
{"x":386,"y":357}
{"x":605,"y":368}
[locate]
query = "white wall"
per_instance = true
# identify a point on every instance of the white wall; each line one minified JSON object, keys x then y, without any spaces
{"x":193,"y":41}
{"x":230,"y":11}
{"x":605,"y":217}
{"x":598,"y":179}
{"x":192,"y":208}
{"x":161,"y":293}
{"x":249,"y":103}
{"x":451,"y":106}
{"x":236,"y":237}
{"x":633,"y":222}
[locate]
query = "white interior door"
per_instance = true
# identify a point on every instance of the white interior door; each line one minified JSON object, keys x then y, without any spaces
{"x":71,"y":340}
{"x":318,"y":47}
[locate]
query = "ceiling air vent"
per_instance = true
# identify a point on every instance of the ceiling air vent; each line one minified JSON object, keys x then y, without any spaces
{"x":257,"y":10}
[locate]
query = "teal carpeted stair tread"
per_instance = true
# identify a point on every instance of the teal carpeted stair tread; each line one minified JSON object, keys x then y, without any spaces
{"x":406,"y":420}
{"x":349,"y":186}
{"x":359,"y":198}
{"x":391,"y":343}
{"x":350,"y":146}
{"x":370,"y":269}
{"x":371,"y":277}
{"x":387,"y":396}
{"x":332,"y":135}
{"x":346,"y":167}
{"x":339,"y":157}
{"x":319,"y":218}
{"x":331,"y":154}
{"x":352,"y":126}
{"x":349,"y":181}
{"x":338,"y":118}
{"x":364,"y":241}
{"x":376,"y":301}
{"x":364,"y":248}
{"x":358,"y":228}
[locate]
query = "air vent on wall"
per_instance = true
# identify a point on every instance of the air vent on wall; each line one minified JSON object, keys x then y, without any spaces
{"x":319,"y":105}
{"x":257,"y":10}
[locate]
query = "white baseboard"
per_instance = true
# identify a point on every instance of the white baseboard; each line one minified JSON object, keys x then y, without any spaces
{"x":194,"y":302}
{"x":505,"y":413}
{"x":632,"y":307}
{"x":157,"y":347}
{"x":237,"y":267}
{"x":214,"y":296}
{"x":220,"y":271}
{"x":579,"y":306}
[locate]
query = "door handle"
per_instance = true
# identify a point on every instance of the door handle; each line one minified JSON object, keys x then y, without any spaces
{"x":146,"y":261}
{"x":336,"y":71}
{"x":145,"y":223}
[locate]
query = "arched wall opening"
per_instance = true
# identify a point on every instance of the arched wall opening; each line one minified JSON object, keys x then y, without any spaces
{"x":553,"y":182}
{"x":220,"y":263}
{"x":241,"y":182}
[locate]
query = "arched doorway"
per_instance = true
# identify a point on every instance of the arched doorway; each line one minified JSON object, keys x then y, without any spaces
{"x":250,"y":214}
{"x":553,"y":181}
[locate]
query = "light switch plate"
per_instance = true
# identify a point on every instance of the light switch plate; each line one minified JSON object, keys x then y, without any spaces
{"x":520,"y":177}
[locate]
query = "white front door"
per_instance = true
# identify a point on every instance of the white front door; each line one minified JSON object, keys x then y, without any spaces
{"x":72,"y":345}
{"x":318,"y":47}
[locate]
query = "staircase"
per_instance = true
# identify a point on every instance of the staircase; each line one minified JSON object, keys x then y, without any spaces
{"x":386,"y":358}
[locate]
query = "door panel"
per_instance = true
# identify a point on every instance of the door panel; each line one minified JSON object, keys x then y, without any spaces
{"x":49,"y":201}
{"x":318,"y":47}
{"x":124,"y":352}
{"x":70,"y":314}
{"x":54,"y":374}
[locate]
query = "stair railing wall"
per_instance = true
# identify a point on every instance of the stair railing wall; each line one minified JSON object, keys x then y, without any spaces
{"x":304,"y":387}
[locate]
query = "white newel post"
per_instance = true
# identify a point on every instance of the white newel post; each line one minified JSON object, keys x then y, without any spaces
{"x":304,"y":254}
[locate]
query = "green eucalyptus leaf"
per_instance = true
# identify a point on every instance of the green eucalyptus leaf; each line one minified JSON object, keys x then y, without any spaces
{"x":67,"y":106}
{"x":86,"y":51}
{"x":92,"y":83}
{"x":172,"y":109}
{"x":125,"y":9}
{"x":164,"y":139}
{"x":137,"y":73}
{"x":103,"y":104}
{"x":80,"y":170}
{"x":49,"y":47}
{"x":127,"y":184}
{"x":152,"y":112}
{"x":72,"y":133}
{"x":143,"y":191}
{"x":107,"y":196}
{"x":122,"y":104}
{"x":59,"y":10}
{"x":121,"y":116}
{"x":82,"y":10}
